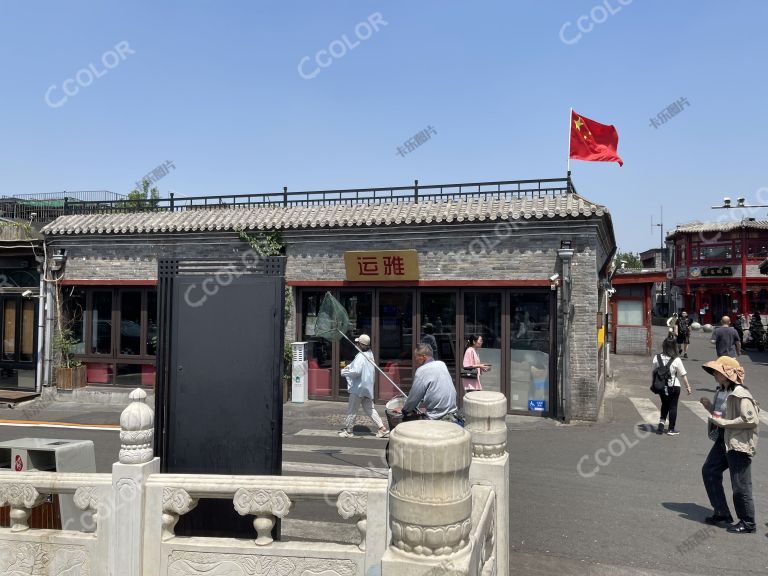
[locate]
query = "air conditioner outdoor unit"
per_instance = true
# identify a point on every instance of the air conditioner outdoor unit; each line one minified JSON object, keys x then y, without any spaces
{"x":299,"y":373}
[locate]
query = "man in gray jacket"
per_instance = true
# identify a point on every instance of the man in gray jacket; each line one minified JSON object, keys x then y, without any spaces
{"x":433,"y":386}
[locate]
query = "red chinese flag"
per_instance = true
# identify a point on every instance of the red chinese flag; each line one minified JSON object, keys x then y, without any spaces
{"x":593,"y":141}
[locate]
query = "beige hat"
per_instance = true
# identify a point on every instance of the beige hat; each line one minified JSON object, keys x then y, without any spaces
{"x":728,"y":367}
{"x":363,"y":339}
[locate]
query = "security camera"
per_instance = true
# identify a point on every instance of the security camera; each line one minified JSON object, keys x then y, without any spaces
{"x":26,"y":293}
{"x":623,"y":264}
{"x":33,"y":215}
{"x":727,"y":202}
{"x":554,"y":277}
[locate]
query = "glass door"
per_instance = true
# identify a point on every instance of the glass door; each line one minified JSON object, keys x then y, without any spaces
{"x":438,"y":326}
{"x":359,"y":307}
{"x":396,"y":341}
{"x":530,"y":345}
{"x":482,"y":318}
{"x":319,"y":350}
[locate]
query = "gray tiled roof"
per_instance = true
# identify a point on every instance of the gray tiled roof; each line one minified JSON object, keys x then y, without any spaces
{"x":707,"y":227}
{"x":329,"y":216}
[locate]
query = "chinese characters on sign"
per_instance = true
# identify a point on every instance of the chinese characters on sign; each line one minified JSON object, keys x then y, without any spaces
{"x":156,"y":174}
{"x":672,"y":110}
{"x":415,"y":141}
{"x":717,"y":271}
{"x":386,"y":265}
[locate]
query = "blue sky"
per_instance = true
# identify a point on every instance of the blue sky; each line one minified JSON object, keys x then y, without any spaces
{"x":215,"y":88}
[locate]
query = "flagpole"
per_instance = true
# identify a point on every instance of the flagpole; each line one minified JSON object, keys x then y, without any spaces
{"x":570,"y":119}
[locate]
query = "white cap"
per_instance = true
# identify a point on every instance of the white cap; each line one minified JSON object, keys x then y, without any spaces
{"x":363,"y":339}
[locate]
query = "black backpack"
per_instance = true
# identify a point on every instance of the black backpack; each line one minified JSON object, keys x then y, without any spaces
{"x":661,"y":375}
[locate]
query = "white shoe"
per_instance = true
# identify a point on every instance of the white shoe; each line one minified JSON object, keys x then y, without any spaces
{"x":382,"y":434}
{"x":346,"y":434}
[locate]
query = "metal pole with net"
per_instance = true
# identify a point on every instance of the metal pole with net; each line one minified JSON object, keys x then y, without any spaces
{"x":333,"y":324}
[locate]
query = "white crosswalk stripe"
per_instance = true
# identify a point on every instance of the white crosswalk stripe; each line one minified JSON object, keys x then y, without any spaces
{"x":647,"y":409}
{"x":343,"y":450}
{"x":696,"y":408}
{"x":334,"y":434}
{"x":333,"y":470}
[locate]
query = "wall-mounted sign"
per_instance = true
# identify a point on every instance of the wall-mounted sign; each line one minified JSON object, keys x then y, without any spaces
{"x":383,"y":266}
{"x":695,"y":272}
{"x":717,"y":271}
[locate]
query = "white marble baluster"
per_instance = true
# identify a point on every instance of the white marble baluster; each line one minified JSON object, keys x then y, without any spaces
{"x":176,"y":502}
{"x":21,"y":498}
{"x":266,"y":505}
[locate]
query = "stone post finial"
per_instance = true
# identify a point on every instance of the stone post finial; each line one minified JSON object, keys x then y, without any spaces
{"x":430,"y":497}
{"x":137,"y":429}
{"x":485,"y":415}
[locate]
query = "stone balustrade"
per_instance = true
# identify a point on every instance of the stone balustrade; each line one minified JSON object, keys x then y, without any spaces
{"x":444,"y":510}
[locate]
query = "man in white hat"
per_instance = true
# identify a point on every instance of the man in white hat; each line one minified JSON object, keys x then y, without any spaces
{"x":360,"y":375}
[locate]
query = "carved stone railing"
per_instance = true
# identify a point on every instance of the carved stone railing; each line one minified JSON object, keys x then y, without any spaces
{"x":80,"y":547}
{"x":485,"y":414}
{"x":266,"y":498}
{"x":444,"y":510}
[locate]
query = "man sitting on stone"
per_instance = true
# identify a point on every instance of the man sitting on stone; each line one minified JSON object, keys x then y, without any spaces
{"x":432,"y":385}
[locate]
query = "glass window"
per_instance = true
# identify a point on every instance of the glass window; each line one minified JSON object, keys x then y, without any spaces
{"x":130,"y":322}
{"x":396,"y":339}
{"x":9,"y":329}
{"x":482,"y":317}
{"x":757,"y":249}
{"x":318,"y":349}
{"x":135,"y":375}
{"x":715,"y":252}
{"x":529,"y":352}
{"x":151,"y":323}
{"x":27,"y":352}
{"x":74,"y":305}
{"x":630,"y":312}
{"x":101,"y":323}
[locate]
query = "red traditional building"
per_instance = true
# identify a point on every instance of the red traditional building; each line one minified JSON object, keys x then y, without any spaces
{"x":716,"y":268}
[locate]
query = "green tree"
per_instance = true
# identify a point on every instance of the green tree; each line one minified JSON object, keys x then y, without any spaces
{"x":632,"y":260}
{"x":145,"y":198}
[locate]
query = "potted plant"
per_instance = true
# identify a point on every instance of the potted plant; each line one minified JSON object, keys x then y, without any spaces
{"x":70,"y":373}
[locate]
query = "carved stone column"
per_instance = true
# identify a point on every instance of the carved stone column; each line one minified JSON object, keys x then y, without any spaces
{"x":485,"y":414}
{"x":266,"y":505}
{"x":129,"y":477}
{"x":21,"y":498}
{"x":430,"y":501}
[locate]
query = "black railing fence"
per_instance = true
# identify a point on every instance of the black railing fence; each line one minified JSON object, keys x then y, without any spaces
{"x":39,"y":209}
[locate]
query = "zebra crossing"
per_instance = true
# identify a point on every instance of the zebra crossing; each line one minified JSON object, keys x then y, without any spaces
{"x":358,"y":457}
{"x":649,"y":411}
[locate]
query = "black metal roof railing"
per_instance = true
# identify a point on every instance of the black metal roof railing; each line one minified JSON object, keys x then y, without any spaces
{"x":46,"y":210}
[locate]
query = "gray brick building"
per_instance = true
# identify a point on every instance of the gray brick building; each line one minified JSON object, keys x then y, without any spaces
{"x":520,"y":264}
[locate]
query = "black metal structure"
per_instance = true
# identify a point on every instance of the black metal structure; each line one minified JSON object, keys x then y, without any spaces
{"x":23,"y":208}
{"x":218,"y":401}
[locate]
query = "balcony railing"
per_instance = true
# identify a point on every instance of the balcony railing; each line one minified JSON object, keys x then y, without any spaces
{"x":47,"y":209}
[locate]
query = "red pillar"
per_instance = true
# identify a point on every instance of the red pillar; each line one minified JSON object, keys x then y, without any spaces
{"x":744,"y":298}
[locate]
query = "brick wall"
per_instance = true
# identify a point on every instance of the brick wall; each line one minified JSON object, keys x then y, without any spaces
{"x":469,"y":250}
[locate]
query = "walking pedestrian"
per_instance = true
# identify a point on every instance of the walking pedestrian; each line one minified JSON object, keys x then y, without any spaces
{"x":472,"y":364}
{"x":672,"y":324}
{"x":734,"y":448}
{"x":683,"y":333}
{"x":360,"y":374}
{"x":727,"y":342}
{"x":671,"y":394}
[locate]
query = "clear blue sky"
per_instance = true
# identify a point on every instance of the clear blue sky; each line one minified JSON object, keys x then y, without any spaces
{"x":215,"y":88}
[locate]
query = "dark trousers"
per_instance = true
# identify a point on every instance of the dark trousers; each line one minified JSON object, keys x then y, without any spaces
{"x":669,"y":405}
{"x":739,"y":465}
{"x":712,"y":474}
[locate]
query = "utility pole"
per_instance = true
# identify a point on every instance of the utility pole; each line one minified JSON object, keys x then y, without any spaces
{"x":661,"y":254}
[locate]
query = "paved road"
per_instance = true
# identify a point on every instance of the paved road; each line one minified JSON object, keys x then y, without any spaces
{"x":629,"y":517}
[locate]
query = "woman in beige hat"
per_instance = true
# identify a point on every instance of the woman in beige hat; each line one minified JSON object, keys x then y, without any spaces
{"x":734,"y":448}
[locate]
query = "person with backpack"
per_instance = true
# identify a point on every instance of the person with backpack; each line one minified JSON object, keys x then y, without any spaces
{"x":734,"y":448}
{"x":668,"y":372}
